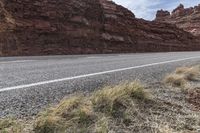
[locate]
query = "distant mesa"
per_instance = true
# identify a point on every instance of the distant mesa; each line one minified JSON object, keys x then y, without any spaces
{"x":187,"y":19}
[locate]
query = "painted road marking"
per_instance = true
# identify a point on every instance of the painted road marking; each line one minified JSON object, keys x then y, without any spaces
{"x":92,"y":74}
{"x":94,"y":57}
{"x":16,"y":61}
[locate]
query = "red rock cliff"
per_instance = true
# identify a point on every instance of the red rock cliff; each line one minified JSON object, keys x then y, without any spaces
{"x":187,"y":19}
{"x":42,"y":27}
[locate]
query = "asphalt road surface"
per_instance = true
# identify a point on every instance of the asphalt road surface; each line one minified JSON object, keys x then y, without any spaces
{"x":30,"y":84}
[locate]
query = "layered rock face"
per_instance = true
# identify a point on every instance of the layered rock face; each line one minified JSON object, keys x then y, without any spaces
{"x":43,"y":27}
{"x":185,"y":18}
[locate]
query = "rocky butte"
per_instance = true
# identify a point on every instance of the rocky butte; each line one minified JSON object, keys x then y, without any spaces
{"x":187,"y":19}
{"x":43,"y":27}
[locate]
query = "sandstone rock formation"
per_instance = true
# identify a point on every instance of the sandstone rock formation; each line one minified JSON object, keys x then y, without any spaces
{"x":187,"y":19}
{"x":43,"y":27}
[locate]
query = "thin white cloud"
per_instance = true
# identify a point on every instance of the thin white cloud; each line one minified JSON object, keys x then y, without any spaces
{"x":141,"y":8}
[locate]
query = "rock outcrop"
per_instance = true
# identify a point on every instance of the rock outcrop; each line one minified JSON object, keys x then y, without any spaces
{"x":187,"y":19}
{"x":161,"y":15}
{"x":43,"y":27}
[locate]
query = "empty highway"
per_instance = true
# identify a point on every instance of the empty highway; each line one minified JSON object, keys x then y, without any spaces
{"x":29,"y":84}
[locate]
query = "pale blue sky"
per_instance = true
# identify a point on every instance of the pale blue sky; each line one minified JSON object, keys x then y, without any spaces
{"x":147,"y":8}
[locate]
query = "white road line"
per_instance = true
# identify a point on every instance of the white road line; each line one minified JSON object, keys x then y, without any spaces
{"x":16,"y":61}
{"x":92,"y":74}
{"x":93,"y":57}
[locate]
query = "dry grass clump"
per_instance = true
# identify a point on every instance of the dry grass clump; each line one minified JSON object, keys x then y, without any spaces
{"x":181,"y":70}
{"x":190,"y":73}
{"x":101,"y":126}
{"x":73,"y":114}
{"x":175,"y":80}
{"x":110,"y":99}
{"x":181,"y":76}
{"x":10,"y":125}
{"x":89,"y":114}
{"x":5,"y":123}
